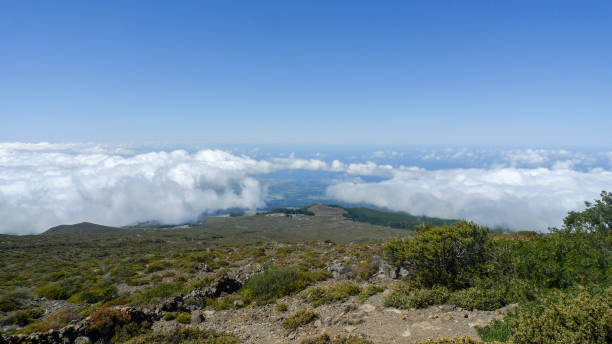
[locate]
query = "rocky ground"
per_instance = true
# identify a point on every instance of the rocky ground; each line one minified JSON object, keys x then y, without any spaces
{"x":370,"y":319}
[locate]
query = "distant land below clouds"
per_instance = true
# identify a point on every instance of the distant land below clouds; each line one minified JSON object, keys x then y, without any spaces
{"x":48,"y":184}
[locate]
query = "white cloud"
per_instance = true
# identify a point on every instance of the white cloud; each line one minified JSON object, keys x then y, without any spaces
{"x":44,"y":184}
{"x":512,"y":197}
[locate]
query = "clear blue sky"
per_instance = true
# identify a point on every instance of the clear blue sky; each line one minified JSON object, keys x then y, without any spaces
{"x":406,"y":72}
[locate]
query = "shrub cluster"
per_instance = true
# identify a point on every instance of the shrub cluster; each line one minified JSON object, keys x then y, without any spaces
{"x":584,"y":319}
{"x":445,"y":255}
{"x":185,"y":336}
{"x":459,"y":340}
{"x":326,"y":339}
{"x":405,"y":295}
{"x":273,"y":283}
{"x":102,"y":321}
{"x":371,"y":289}
{"x":336,"y":292}
{"x":299,"y":318}
{"x":23,"y":317}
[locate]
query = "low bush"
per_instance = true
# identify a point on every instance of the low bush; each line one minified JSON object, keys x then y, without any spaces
{"x":366,"y":269}
{"x":407,"y":296}
{"x":221,"y":303}
{"x":333,"y":293}
{"x":8,"y":304}
{"x":185,"y":336}
{"x":53,"y":291}
{"x":161,"y":290}
{"x":273,"y":283}
{"x":53,"y":322}
{"x":445,"y":255}
{"x":169,"y":316}
{"x":282,"y":307}
{"x":317,"y":275}
{"x":128,"y":331}
{"x":498,"y":330}
{"x":479,"y":298}
{"x":94,"y":295}
{"x":299,"y":318}
{"x":326,"y":339}
{"x":584,"y":319}
{"x":183,"y":318}
{"x":23,"y":317}
{"x":371,"y":289}
{"x":461,"y":340}
{"x":103,"y":321}
{"x":13,"y":299}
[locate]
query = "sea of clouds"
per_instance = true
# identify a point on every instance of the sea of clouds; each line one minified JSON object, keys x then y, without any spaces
{"x":44,"y":184}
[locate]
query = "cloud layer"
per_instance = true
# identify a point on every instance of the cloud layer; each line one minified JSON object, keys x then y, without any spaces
{"x":507,"y":197}
{"x":40,"y":188}
{"x":43,"y":185}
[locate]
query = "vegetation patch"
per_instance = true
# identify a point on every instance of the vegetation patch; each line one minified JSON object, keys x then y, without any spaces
{"x":461,"y":340}
{"x":406,"y":296}
{"x":479,"y":298}
{"x":23,"y":317}
{"x":391,"y":218}
{"x":185,"y":336}
{"x":326,"y":339}
{"x":370,"y":290}
{"x":273,"y":283}
{"x":333,"y":293}
{"x":584,"y":319}
{"x":53,"y":322}
{"x":442,"y":255}
{"x":299,"y":318}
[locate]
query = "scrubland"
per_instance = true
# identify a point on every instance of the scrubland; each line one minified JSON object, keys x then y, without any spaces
{"x":312,"y":278}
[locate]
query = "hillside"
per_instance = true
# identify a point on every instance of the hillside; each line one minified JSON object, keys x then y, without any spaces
{"x":82,"y":228}
{"x":392,"y":219}
{"x":292,"y":278}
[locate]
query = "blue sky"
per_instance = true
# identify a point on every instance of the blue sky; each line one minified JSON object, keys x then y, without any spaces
{"x":534,"y":73}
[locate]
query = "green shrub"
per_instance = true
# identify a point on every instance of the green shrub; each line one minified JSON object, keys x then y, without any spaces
{"x":53,"y":322}
{"x":333,"y":293}
{"x":371,"y":289}
{"x":169,"y":316}
{"x":53,"y":291}
{"x":23,"y":317}
{"x":325,"y":339}
{"x":185,"y":336}
{"x":94,"y":295}
{"x":478,"y":298}
{"x":407,"y":296}
{"x":183,"y":318}
{"x":273,"y":283}
{"x":366,"y":269}
{"x":461,"y":340}
{"x":154,"y":267}
{"x":441,"y":255}
{"x":498,"y":330}
{"x":128,"y":331}
{"x":13,"y":299}
{"x":299,"y":318}
{"x":585,"y":319}
{"x":281,"y":307}
{"x":103,"y":321}
{"x":8,"y":304}
{"x":317,"y":275}
{"x":162,"y":290}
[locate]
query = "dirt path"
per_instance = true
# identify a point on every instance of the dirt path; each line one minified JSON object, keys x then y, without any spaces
{"x":370,"y":319}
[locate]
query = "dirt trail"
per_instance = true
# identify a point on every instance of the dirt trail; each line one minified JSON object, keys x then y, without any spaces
{"x":370,"y":319}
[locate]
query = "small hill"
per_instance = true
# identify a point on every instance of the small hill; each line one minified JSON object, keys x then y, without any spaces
{"x":82,"y":228}
{"x":391,"y":219}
